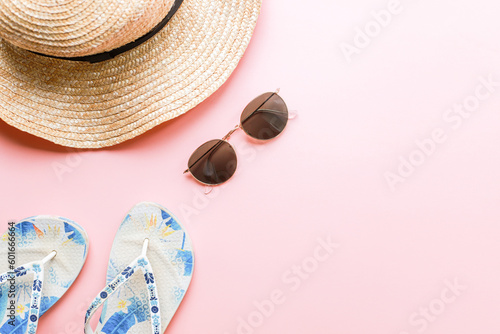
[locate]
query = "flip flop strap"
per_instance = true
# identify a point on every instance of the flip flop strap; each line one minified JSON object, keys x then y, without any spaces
{"x":36,"y":268}
{"x":142,"y":263}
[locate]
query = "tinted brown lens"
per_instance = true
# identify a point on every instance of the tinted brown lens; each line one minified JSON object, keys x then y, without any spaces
{"x":265,"y":117}
{"x":213,"y":162}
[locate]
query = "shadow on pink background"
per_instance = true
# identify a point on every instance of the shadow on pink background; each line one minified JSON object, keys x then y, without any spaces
{"x":347,"y":223}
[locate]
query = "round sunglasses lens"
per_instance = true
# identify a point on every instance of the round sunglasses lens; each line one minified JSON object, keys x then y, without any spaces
{"x":213,"y":162}
{"x":265,"y":117}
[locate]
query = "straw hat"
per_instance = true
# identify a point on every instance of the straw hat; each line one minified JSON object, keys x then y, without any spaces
{"x":193,"y":47}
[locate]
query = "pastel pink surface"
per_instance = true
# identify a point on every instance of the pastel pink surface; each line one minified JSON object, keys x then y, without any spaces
{"x":399,"y":247}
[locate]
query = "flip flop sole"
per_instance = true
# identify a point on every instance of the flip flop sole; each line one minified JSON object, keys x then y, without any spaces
{"x":171,"y":256}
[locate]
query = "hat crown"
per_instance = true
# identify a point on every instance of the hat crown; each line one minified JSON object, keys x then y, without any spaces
{"x":74,"y":28}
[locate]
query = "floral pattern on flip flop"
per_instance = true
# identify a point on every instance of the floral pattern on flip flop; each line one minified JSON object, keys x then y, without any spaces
{"x":141,"y":263}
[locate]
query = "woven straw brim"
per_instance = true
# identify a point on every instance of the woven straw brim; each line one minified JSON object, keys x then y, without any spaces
{"x":83,"y":105}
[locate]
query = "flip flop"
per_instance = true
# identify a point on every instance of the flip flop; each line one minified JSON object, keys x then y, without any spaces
{"x":50,"y":253}
{"x":149,"y":271}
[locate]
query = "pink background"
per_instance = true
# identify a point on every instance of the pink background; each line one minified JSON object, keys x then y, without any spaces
{"x":399,"y":248}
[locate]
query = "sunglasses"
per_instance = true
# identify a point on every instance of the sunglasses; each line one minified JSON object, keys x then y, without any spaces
{"x":264,"y":118}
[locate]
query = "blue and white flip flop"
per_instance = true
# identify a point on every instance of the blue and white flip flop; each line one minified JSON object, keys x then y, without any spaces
{"x":50,"y":253}
{"x":149,"y":271}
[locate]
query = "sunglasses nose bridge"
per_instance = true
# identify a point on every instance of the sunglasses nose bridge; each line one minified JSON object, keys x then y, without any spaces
{"x":236,"y":127}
